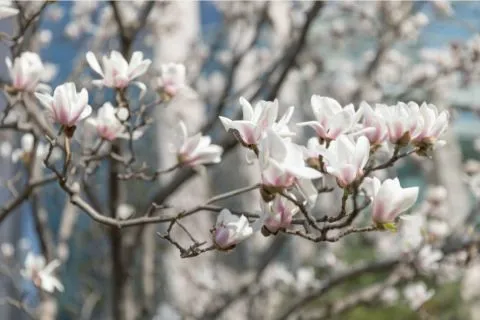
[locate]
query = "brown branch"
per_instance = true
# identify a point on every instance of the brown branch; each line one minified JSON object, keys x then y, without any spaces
{"x":14,"y":203}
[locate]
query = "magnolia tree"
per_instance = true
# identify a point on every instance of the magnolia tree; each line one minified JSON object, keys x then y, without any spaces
{"x":320,"y":173}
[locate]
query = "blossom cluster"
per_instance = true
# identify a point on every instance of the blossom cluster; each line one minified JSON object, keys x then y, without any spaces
{"x":348,"y":141}
{"x":346,"y":146}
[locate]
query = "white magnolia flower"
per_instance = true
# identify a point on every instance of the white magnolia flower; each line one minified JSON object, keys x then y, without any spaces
{"x":41,"y":274}
{"x":230,"y":230}
{"x":282,"y":162}
{"x":345,"y":159}
{"x":389,"y":199}
{"x":377,"y":131}
{"x":332,"y":119}
{"x":400,"y":120}
{"x":430,"y":124}
{"x":66,"y":106}
{"x":279,"y":214}
{"x":172,"y":79}
{"x":417,"y":294}
{"x":108,"y":124}
{"x":6,"y":11}
{"x":26,"y":71}
{"x":257,"y":120}
{"x":196,"y":150}
{"x":116,"y":71}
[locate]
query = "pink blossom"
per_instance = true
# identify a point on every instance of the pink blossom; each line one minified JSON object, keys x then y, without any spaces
{"x":66,"y":106}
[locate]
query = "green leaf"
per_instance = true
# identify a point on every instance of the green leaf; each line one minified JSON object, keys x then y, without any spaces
{"x":391,"y":226}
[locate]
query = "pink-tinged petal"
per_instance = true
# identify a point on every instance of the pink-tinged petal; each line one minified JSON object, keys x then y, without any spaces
{"x":367,"y":112}
{"x":140,"y":69}
{"x":362,"y":152}
{"x":308,"y":190}
{"x":245,"y":128}
{"x":246,"y":109}
{"x":339,"y":123}
{"x":62,"y":116}
{"x":222,"y":237}
{"x":275,"y":145}
{"x":319,"y":129}
{"x":379,"y":213}
{"x":324,"y":105}
{"x":287,"y":116}
{"x":267,"y":116}
{"x":200,"y":144}
{"x":136,"y":59}
{"x":93,"y":63}
{"x":396,"y":131}
{"x":345,"y":149}
{"x":118,"y":61}
{"x":408,"y":198}
{"x":190,"y":144}
{"x":305,"y":172}
{"x":384,"y":201}
{"x":440,"y":125}
{"x":210,"y":155}
{"x":87,"y":111}
{"x":227,"y":123}
{"x":348,"y":174}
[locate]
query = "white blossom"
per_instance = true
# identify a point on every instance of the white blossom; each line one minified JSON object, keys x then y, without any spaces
{"x":279,"y":214}
{"x":66,"y":106}
{"x":282,"y":162}
{"x":400,"y":120}
{"x":332,"y":119}
{"x":116,"y":71}
{"x":257,"y":120}
{"x":196,"y":150}
{"x":25,"y":71}
{"x":108,"y":124}
{"x":172,"y":79}
{"x":346,"y":159}
{"x":430,"y":124}
{"x":230,"y":230}
{"x":377,"y":131}
{"x":390,"y":199}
